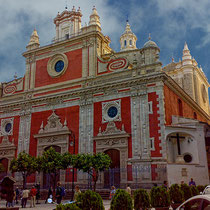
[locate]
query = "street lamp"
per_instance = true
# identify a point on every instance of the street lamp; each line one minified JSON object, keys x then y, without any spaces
{"x":72,"y":142}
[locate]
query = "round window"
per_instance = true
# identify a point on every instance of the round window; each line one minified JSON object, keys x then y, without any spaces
{"x":8,"y":127}
{"x":187,"y":158}
{"x":59,"y":66}
{"x":112,"y":112}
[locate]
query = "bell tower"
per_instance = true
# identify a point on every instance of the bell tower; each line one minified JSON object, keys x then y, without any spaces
{"x":128,"y":39}
{"x":67,"y":24}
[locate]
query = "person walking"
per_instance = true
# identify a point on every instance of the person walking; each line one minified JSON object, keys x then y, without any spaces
{"x":112,"y":193}
{"x":33,"y":196}
{"x":17,"y":194}
{"x":77,"y":192}
{"x":58,"y":193}
{"x":25,"y":197}
{"x":50,"y":192}
{"x":128,"y":189}
{"x":192,"y":182}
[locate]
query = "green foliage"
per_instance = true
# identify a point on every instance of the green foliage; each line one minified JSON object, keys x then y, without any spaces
{"x":200,"y":188}
{"x":176,"y":194}
{"x":92,"y":164}
{"x":71,"y":206}
{"x":90,"y":200}
{"x":159,"y":197}
{"x":121,"y":201}
{"x":141,"y":199}
{"x":24,"y":163}
{"x":194,"y":190}
{"x":51,"y":162}
{"x":187,"y":191}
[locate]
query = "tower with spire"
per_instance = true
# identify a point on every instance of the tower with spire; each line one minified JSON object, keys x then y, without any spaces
{"x":190,"y":77}
{"x":34,"y":41}
{"x":128,"y":39}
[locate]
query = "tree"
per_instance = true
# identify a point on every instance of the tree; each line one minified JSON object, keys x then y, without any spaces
{"x":26,"y":164}
{"x":92,"y":164}
{"x":51,"y":162}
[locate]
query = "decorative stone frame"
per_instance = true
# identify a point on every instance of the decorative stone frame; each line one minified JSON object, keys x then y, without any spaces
{"x":54,"y":133}
{"x":4,"y":122}
{"x":7,"y":149}
{"x":106,"y":106}
{"x":51,"y":65}
{"x":114,"y":138}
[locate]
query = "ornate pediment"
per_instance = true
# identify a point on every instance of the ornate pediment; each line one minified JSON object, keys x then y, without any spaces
{"x":7,"y":148}
{"x":53,"y":124}
{"x":111,"y":129}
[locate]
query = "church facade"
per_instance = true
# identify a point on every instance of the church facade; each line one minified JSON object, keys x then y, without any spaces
{"x":78,"y":95}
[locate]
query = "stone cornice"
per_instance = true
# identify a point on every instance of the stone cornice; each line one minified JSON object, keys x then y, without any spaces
{"x":101,"y":87}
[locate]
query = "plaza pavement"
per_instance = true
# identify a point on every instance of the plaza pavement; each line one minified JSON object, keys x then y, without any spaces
{"x":43,"y":206}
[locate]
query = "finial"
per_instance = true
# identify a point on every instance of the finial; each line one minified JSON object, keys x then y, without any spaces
{"x":66,"y":5}
{"x":15,"y":76}
{"x":172,"y":58}
{"x":127,"y":19}
{"x":149,"y":36}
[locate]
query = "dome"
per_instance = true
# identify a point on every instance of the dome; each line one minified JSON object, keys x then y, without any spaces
{"x":150,"y":44}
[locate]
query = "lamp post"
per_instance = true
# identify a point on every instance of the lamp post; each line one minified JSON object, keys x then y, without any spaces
{"x":72,"y":186}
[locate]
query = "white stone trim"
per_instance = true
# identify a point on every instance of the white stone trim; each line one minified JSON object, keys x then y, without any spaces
{"x":106,"y":106}
{"x":4,"y":122}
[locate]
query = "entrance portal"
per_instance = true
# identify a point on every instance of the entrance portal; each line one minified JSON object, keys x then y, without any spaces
{"x":47,"y":178}
{"x":112,"y":176}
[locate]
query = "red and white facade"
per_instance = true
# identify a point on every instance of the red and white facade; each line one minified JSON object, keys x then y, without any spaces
{"x":124,"y":104}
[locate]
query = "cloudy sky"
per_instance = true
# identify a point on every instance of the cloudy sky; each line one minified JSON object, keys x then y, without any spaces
{"x":170,"y":22}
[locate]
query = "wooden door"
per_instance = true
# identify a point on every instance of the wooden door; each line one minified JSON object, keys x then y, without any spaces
{"x":112,"y":176}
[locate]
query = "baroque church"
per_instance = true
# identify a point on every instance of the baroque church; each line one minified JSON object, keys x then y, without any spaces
{"x":79,"y":95}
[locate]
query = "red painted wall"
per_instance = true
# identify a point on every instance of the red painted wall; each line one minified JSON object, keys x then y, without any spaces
{"x":73,"y":71}
{"x":172,"y":107}
{"x":153,"y":124}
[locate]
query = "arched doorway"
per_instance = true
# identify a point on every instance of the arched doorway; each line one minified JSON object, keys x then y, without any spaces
{"x":4,"y":169}
{"x":112,"y":176}
{"x":47,"y":180}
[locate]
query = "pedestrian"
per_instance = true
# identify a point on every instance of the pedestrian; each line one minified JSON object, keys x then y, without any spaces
{"x":192,"y":182}
{"x":112,"y":192}
{"x":58,"y":193}
{"x":128,"y":189}
{"x":9,"y":198}
{"x":17,"y":195}
{"x":50,"y":192}
{"x":165,"y":185}
{"x":25,"y":197}
{"x":37,"y":193}
{"x":77,"y":192}
{"x":182,"y":182}
{"x":33,"y":196}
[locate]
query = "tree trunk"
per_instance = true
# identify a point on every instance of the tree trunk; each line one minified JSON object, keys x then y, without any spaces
{"x":24,"y":180}
{"x":95,"y":178}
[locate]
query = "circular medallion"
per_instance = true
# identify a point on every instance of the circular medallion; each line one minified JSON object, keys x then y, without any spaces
{"x":8,"y":127}
{"x":187,"y":158}
{"x":59,"y":66}
{"x":112,"y":112}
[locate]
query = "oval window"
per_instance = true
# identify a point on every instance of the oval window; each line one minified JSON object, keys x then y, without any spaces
{"x":112,"y":112}
{"x":8,"y":127}
{"x":59,"y":66}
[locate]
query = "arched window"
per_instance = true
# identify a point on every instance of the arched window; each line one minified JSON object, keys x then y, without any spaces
{"x":125,"y":43}
{"x":180,"y":107}
{"x":130,"y":42}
